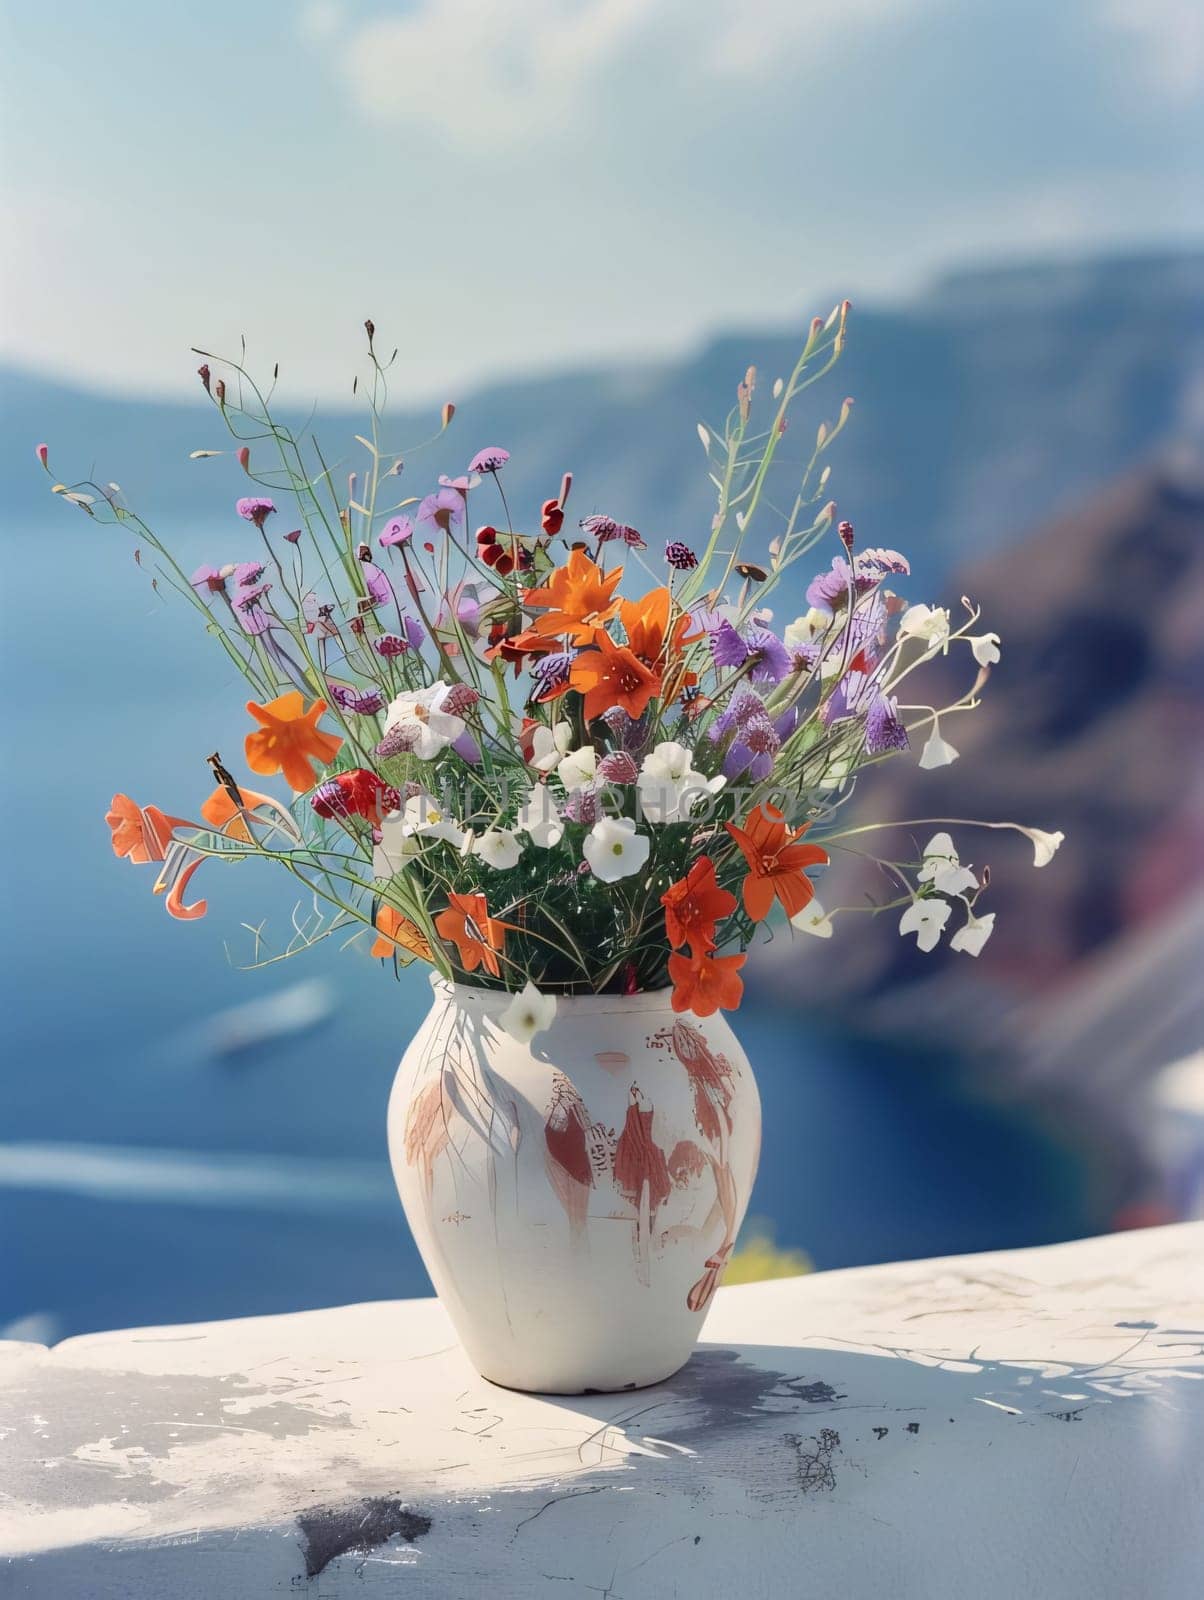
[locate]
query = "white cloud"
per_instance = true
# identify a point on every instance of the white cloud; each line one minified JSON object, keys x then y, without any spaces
{"x":480,"y":72}
{"x":1170,"y":36}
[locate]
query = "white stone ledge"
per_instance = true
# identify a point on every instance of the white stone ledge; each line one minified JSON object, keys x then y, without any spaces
{"x":1022,"y":1424}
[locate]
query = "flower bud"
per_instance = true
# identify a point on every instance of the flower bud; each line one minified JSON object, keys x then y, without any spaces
{"x":244,"y":458}
{"x":203,"y":375}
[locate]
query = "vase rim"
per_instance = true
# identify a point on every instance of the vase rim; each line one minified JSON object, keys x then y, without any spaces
{"x":645,"y":1000}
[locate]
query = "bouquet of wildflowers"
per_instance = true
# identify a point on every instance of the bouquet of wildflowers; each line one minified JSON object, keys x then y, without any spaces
{"x":552,"y":756}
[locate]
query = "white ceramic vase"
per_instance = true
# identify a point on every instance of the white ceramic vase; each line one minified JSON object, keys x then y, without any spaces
{"x":576,"y":1199}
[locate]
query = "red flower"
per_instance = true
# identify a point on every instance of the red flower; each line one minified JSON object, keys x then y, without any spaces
{"x":776,"y":862}
{"x":358,"y":793}
{"x":694,"y":904}
{"x":706,"y":983}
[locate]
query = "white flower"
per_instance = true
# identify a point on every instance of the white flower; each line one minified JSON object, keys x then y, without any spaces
{"x":1045,"y":845}
{"x":614,"y":849}
{"x":498,"y":848}
{"x":528,"y":1013}
{"x":418,"y":713}
{"x":402,"y":833}
{"x":578,"y":768}
{"x":975,"y":932}
{"x":540,"y":819}
{"x":937,"y":752}
{"x":813,"y":919}
{"x":669,"y":786}
{"x":549,"y":744}
{"x":806,"y":630}
{"x":941,"y":868}
{"x":926,"y":919}
{"x":985,"y":648}
{"x":928,"y":624}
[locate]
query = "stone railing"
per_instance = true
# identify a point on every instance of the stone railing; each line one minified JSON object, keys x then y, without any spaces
{"x":1025,"y":1424}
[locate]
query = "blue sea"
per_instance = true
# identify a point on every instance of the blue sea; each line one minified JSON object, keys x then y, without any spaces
{"x":146,"y":1177}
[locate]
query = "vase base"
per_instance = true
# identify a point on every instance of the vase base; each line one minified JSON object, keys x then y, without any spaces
{"x":580,"y":1390}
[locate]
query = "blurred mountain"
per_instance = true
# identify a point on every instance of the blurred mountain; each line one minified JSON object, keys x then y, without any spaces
{"x":1092,"y":723}
{"x":993,"y":400}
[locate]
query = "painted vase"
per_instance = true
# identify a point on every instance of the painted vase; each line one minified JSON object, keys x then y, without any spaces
{"x":575,"y":1199}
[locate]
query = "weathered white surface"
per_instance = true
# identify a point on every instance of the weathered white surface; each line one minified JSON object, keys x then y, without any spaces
{"x":1027,"y":1424}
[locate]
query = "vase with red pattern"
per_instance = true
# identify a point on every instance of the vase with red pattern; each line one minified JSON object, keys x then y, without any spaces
{"x":575,"y":1199}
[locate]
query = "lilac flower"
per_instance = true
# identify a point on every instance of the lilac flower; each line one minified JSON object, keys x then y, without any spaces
{"x":756,"y":737}
{"x":396,"y":531}
{"x":680,"y":556}
{"x":364,"y":702}
{"x":463,"y":483}
{"x":253,"y":508}
{"x":467,"y":748}
{"x":830,"y":590}
{"x":248,"y":573}
{"x":492,"y":459}
{"x":859,"y":694}
{"x":442,"y":511}
{"x":727,"y":647}
{"x":551,"y":672}
{"x":884,"y":729}
{"x":253,"y":616}
{"x":769,"y":656}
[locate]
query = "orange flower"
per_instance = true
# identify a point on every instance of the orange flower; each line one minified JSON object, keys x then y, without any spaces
{"x":612,"y":675}
{"x":467,"y":924}
{"x":776,"y":863}
{"x":398,"y":930}
{"x":142,"y":834}
{"x":694,"y":904}
{"x":289,"y":739}
{"x":220,"y":812}
{"x":706,"y":983}
{"x":580,"y":597}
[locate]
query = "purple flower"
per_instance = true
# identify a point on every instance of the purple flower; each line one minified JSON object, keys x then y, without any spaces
{"x":460,"y":699}
{"x":399,"y":644}
{"x":396,"y":531}
{"x":680,"y":556}
{"x":585,"y":805}
{"x":463,"y":483}
{"x":830,"y":590}
{"x":492,"y":459}
{"x":467,"y":748}
{"x":769,"y":656}
{"x":253,"y":616}
{"x":209,"y":580}
{"x":294,"y":537}
{"x":879,"y":562}
{"x":605,"y":529}
{"x":632,"y":733}
{"x":727,"y":647}
{"x":884,"y":728}
{"x":380,"y":590}
{"x":364,"y":702}
{"x":551,"y":672}
{"x":253,"y":508}
{"x":442,"y":511}
{"x":756,"y":737}
{"x":397,"y":742}
{"x":248,"y":573}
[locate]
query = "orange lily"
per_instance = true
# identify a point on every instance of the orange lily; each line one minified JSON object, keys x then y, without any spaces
{"x":476,"y":935}
{"x":776,"y":862}
{"x":612,"y":675}
{"x":220,"y":811}
{"x":657,"y":643}
{"x":289,"y":740}
{"x":141,"y":833}
{"x":693,"y":905}
{"x":580,"y":598}
{"x":706,"y":983}
{"x":397,"y":930}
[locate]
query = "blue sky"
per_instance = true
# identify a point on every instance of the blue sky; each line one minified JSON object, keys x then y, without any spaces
{"x":514,"y":184}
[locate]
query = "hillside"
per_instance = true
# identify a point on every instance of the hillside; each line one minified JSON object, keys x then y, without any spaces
{"x":985,"y":405}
